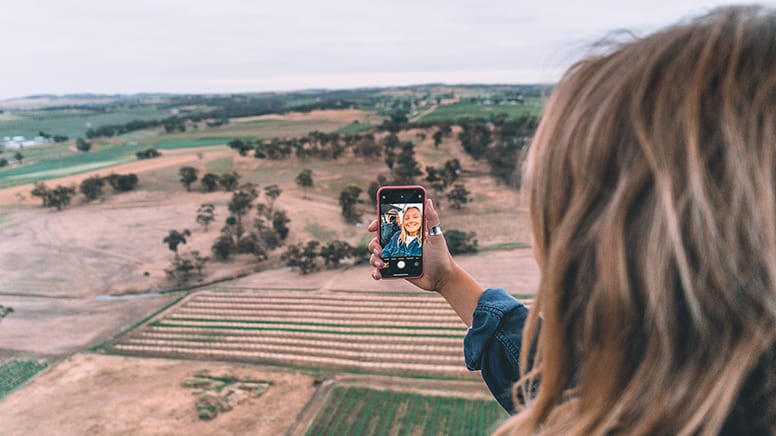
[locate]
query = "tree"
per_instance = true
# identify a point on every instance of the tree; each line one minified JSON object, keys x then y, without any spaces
{"x":188,"y":175}
{"x":41,"y":190}
{"x":18,"y":156}
{"x":241,"y":146}
{"x":147,"y":154}
{"x":406,"y":168}
{"x":302,"y":256}
{"x":269,"y":237}
{"x":458,"y":196}
{"x":460,"y":243}
{"x":334,"y":252}
{"x":206,"y":214}
{"x":224,"y":245}
{"x":60,"y":196}
{"x":91,"y":187}
{"x":271,"y":193}
{"x":348,"y":200}
{"x":305,"y":179}
{"x":210,"y":182}
{"x":250,"y":244}
{"x":229,"y":181}
{"x":175,"y":238}
{"x":183,"y":268}
{"x":437,"y":138}
{"x":242,"y":201}
{"x":280,"y":224}
{"x":82,"y":145}
{"x":3,"y":162}
{"x":122,"y":182}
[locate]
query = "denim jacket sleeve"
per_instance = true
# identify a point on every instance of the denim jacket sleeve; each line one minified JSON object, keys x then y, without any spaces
{"x":492,"y":344}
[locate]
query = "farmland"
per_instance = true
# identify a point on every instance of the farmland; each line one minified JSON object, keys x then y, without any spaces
{"x":469,"y":109}
{"x":15,"y":372}
{"x":408,"y":333}
{"x":358,"y":410}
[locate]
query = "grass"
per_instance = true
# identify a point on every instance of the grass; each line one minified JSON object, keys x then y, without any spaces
{"x":358,"y":410}
{"x":354,"y":127}
{"x":15,"y":372}
{"x":504,"y":246}
{"x":175,"y":143}
{"x":463,"y":109}
{"x":320,"y":233}
{"x":220,"y":166}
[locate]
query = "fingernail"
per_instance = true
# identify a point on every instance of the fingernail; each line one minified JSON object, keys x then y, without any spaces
{"x":377,"y":252}
{"x":377,"y":264}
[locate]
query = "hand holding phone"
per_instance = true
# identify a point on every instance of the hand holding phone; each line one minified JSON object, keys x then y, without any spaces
{"x":401,"y":230}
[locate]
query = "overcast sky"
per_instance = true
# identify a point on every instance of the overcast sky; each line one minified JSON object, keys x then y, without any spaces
{"x":198,"y":46}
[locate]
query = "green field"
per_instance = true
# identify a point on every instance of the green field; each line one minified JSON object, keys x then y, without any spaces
{"x":174,"y":143}
{"x":66,"y":165}
{"x":355,"y":410}
{"x":73,"y":122}
{"x":467,"y":109}
{"x":354,"y":128}
{"x":14,"y":373}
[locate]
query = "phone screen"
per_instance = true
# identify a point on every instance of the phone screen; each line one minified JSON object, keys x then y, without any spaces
{"x":401,"y":230}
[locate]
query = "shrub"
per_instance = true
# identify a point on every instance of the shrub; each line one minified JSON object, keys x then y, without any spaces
{"x":91,"y":188}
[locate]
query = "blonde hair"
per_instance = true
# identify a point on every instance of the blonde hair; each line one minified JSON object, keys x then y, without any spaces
{"x":403,"y":235}
{"x":652,"y":185}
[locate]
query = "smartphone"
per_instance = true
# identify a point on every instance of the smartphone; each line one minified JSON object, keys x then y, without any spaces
{"x":401,"y":232}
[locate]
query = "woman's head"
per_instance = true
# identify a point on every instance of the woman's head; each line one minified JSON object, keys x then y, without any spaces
{"x":652,"y":184}
{"x":411,"y":224}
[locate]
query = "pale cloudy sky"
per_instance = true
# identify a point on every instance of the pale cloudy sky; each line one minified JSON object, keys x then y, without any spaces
{"x":207,"y":46}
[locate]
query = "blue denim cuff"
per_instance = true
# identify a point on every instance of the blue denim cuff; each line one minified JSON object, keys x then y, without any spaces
{"x":487,"y":319}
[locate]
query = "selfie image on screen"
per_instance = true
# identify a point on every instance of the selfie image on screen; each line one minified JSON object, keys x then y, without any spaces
{"x":401,"y":233}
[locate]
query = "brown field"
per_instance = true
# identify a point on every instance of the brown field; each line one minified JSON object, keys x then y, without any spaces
{"x":56,"y":264}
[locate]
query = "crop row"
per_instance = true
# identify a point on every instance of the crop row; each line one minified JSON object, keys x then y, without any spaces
{"x":453,"y":348}
{"x":15,"y":372}
{"x":208,"y":352}
{"x":318,"y":318}
{"x":259,"y":325}
{"x":357,"y":410}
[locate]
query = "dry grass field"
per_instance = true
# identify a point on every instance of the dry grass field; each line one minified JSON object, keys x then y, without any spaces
{"x":93,"y":274}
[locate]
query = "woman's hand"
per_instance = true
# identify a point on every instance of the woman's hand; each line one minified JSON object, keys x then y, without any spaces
{"x":438,"y":264}
{"x":440,"y":272}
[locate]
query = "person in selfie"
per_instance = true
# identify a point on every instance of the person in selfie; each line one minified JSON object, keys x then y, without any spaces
{"x":651,"y":183}
{"x":389,"y":227}
{"x":407,"y":241}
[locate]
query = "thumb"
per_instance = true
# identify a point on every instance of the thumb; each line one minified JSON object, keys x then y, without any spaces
{"x":432,"y":217}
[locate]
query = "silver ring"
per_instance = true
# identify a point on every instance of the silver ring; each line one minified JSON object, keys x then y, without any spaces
{"x":435,"y":230}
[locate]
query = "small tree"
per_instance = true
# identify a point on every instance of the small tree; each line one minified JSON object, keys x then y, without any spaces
{"x":147,"y":154}
{"x":206,"y":214}
{"x":175,"y":238}
{"x":83,"y":145}
{"x":122,"y":182}
{"x":458,"y":196}
{"x":91,"y":188}
{"x":302,"y":256}
{"x":188,"y":175}
{"x":305,"y":179}
{"x":348,"y":200}
{"x":210,"y":182}
{"x":18,"y":156}
{"x":3,"y":162}
{"x":230,"y":181}
{"x":250,"y":244}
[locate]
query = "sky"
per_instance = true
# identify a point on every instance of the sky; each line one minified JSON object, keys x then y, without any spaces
{"x":230,"y":46}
